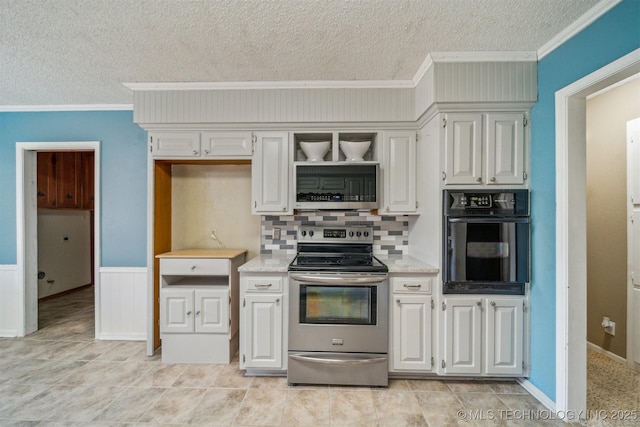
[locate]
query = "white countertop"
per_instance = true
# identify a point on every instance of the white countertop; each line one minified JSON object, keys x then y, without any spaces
{"x":280,"y":263}
{"x":267,"y":264}
{"x":406,"y":264}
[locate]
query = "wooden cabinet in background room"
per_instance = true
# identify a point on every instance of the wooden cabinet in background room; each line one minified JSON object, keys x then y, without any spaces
{"x":46,"y":180}
{"x":66,"y":180}
{"x":68,"y":169}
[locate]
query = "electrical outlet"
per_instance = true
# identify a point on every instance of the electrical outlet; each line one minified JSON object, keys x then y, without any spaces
{"x":276,"y":234}
{"x":611,"y":329}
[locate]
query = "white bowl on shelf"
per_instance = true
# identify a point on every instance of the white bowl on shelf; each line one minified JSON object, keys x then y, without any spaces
{"x":354,"y":151}
{"x":315,"y":150}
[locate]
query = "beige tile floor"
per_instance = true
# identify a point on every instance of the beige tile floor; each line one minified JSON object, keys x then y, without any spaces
{"x":61,"y":376}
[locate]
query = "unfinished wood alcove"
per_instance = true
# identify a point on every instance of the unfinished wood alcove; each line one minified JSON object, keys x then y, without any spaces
{"x":162,"y":222}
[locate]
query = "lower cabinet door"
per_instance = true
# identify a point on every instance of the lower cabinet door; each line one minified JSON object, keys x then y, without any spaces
{"x":411,"y":342}
{"x":176,"y":310}
{"x":462,"y":340}
{"x":504,"y":336}
{"x":211,"y":310}
{"x":263,"y":340}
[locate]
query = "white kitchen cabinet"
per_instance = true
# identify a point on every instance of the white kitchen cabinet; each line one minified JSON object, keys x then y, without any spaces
{"x":483,"y":335}
{"x":411,"y":323}
{"x":484,"y":148}
{"x":270,"y":172}
{"x":262,"y":322}
{"x":199,"y":292}
{"x":399,"y":159}
{"x":201,"y":145}
{"x":504,"y":336}
{"x":462,"y":335}
{"x":194,"y":310}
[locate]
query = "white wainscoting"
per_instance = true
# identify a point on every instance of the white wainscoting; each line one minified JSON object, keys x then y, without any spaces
{"x":121,"y":313}
{"x":10,"y":300}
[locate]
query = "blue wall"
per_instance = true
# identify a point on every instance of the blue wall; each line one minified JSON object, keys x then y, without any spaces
{"x":614,"y":35}
{"x":123,"y":166}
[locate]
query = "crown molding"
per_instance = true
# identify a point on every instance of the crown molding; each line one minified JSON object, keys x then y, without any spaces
{"x":80,"y":107}
{"x":319,"y":84}
{"x":578,"y":25}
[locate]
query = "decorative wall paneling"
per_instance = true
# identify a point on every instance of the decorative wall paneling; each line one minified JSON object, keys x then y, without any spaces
{"x":274,"y":105}
{"x":122,"y":313}
{"x":10,"y":302}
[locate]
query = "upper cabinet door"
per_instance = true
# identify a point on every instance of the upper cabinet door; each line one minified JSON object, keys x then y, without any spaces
{"x":175,"y":145}
{"x":226,"y":145}
{"x":399,"y":172}
{"x":68,"y":182}
{"x":463,"y":148}
{"x":46,"y":180}
{"x":505,"y":148}
{"x":270,"y":173}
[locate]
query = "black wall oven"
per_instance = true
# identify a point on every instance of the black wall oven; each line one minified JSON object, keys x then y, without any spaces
{"x":486,"y":241}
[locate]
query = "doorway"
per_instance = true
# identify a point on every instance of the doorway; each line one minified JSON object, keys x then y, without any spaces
{"x":571,"y":363}
{"x":27,"y":227}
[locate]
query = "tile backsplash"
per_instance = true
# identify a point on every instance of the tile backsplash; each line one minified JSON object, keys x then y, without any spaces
{"x":390,"y":233}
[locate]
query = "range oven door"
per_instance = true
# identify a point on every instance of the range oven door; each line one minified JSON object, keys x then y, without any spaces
{"x":338,"y":312}
{"x":338,"y":329}
{"x":486,"y":255}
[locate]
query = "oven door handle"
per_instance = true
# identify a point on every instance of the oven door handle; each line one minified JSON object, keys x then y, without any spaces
{"x":310,"y":278}
{"x":503,"y":220}
{"x":329,"y":361}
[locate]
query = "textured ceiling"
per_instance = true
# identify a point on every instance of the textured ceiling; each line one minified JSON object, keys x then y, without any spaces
{"x":62,"y":52}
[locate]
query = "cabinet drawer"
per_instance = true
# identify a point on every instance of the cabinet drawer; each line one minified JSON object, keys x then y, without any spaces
{"x":194,"y":267}
{"x":264,"y":284}
{"x":412,"y":284}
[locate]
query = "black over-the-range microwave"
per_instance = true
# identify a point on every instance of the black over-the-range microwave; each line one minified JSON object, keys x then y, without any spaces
{"x":336,"y":185}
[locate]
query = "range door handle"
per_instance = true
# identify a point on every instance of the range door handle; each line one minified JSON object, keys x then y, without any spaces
{"x":361,"y":280}
{"x":338,"y":361}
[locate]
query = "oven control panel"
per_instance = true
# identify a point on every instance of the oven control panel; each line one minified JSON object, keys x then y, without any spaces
{"x":349,"y":234}
{"x":486,"y":202}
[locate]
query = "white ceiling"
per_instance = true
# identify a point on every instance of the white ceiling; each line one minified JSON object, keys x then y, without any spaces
{"x":69,"y":52}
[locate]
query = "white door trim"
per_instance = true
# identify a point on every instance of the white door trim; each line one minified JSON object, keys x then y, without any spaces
{"x":633,"y":273}
{"x":571,"y":341}
{"x":26,"y":212}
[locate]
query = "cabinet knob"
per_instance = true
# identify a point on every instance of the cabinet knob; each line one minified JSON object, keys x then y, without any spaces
{"x":277,"y":300}
{"x":198,"y":313}
{"x":478,"y":303}
{"x":284,"y":209}
{"x":492,"y":303}
{"x":69,"y":196}
{"x":493,"y":179}
{"x":189,"y":313}
{"x":398,"y":300}
{"x":193,"y":267}
{"x":40,"y":193}
{"x":387,"y":209}
{"x":206,"y":151}
{"x":195,"y":152}
{"x":479,"y":179}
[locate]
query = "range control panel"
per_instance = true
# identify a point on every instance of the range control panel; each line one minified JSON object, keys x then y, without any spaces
{"x":352,"y":234}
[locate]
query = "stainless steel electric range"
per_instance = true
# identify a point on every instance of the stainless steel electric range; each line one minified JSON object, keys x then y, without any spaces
{"x":338,"y":309}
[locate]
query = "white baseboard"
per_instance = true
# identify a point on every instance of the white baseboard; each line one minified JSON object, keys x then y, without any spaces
{"x":538,"y":394}
{"x":607,"y":353}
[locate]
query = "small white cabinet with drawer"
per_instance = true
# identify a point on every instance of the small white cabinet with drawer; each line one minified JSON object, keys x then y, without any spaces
{"x":411,"y":307}
{"x":263,"y":322}
{"x":199,"y":292}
